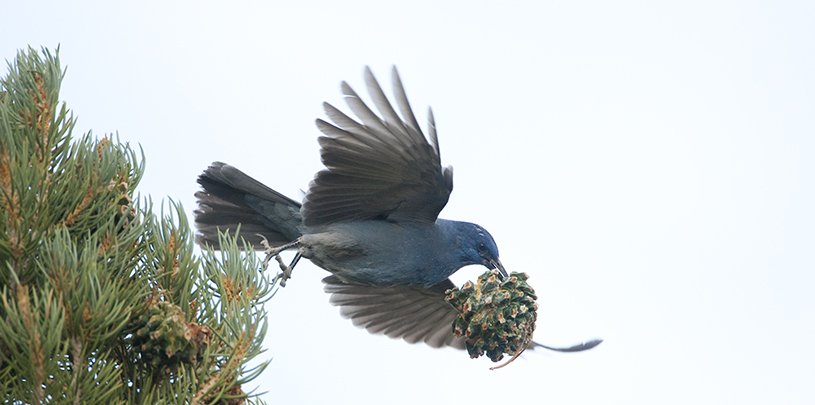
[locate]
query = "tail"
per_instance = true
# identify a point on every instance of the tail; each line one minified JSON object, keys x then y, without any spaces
{"x":230,"y":198}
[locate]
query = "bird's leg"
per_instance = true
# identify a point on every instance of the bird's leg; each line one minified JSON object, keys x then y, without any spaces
{"x":275,"y":252}
{"x":287,"y":269}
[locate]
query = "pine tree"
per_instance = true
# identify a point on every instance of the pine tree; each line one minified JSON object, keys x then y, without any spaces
{"x":101,"y":301}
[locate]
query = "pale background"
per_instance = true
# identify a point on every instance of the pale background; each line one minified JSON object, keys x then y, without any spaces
{"x":650,"y":166}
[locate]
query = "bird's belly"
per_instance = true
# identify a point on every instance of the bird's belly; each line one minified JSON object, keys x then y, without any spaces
{"x":395,"y":257}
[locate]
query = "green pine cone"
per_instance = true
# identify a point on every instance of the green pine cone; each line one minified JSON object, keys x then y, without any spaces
{"x":164,"y":339}
{"x":497,"y":316}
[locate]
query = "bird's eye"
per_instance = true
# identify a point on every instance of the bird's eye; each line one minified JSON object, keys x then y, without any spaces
{"x":482,"y":248}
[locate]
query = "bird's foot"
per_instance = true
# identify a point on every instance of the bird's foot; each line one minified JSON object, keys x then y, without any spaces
{"x":275,"y":252}
{"x":285,"y":270}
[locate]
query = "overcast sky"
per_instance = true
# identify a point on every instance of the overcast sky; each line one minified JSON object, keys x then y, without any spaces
{"x":651,"y":167}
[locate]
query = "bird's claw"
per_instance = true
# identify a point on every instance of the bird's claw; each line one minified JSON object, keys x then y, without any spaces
{"x":275,"y":252}
{"x":286,"y":270}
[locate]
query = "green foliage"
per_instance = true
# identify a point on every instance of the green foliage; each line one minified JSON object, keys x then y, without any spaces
{"x":101,"y":301}
{"x":496,"y":316}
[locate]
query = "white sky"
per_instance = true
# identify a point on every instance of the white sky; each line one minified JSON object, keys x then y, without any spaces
{"x":650,"y":166}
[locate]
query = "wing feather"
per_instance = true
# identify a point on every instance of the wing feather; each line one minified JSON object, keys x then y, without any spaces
{"x":377,"y":168}
{"x":412,"y":313}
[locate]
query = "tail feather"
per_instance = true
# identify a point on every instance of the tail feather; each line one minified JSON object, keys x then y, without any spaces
{"x":230,"y":198}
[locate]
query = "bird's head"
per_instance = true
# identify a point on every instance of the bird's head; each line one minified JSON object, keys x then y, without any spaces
{"x":479,"y":248}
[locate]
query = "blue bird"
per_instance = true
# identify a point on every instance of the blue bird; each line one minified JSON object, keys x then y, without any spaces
{"x":370,"y":218}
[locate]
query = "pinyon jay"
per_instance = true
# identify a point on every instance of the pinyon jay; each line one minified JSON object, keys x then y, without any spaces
{"x":370,"y":218}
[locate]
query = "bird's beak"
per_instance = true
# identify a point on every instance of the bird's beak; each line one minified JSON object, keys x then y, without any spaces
{"x":496,"y":264}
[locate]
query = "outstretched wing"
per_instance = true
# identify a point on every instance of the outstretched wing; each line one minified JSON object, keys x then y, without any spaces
{"x":377,"y":167}
{"x":414,"y":314}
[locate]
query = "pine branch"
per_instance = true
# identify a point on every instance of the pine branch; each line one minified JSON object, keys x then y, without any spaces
{"x":102,"y":301}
